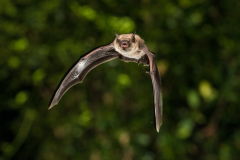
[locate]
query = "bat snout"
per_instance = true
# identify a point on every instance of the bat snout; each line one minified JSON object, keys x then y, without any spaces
{"x":124,"y":44}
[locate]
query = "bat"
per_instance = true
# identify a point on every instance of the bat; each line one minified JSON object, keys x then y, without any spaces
{"x":126,"y":47}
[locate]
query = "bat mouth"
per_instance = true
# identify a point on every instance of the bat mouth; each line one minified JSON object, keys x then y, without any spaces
{"x":124,"y":44}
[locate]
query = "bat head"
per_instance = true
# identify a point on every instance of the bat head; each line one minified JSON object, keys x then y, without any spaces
{"x":125,"y":42}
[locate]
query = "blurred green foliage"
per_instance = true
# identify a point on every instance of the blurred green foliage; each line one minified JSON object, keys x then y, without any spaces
{"x":111,"y":115}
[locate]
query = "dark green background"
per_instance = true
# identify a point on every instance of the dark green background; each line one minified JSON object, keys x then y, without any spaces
{"x":111,"y":115}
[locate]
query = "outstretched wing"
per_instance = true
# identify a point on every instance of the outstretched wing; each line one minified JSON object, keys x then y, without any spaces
{"x":80,"y":70}
{"x":156,"y":82}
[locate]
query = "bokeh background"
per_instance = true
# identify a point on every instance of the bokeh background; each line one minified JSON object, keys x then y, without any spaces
{"x":111,"y":114}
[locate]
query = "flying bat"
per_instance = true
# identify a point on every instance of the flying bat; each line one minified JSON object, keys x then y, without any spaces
{"x":128,"y":48}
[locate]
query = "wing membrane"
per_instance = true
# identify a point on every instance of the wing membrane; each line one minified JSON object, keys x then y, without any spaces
{"x":80,"y":70}
{"x":156,"y":82}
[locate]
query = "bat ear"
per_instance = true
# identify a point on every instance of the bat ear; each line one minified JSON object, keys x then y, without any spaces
{"x":116,"y":34}
{"x":133,"y":37}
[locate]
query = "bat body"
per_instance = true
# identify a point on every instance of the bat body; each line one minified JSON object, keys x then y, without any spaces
{"x":127,"y":47}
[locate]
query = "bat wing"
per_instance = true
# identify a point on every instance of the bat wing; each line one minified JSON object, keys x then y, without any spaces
{"x":80,"y":70}
{"x":156,"y":82}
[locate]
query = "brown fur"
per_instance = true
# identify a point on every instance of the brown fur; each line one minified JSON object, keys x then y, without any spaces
{"x":133,"y":50}
{"x":128,"y":37}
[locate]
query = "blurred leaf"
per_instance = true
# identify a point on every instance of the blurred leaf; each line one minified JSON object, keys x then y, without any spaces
{"x":20,"y":44}
{"x":13,"y":62}
{"x":199,"y":117}
{"x":124,"y":79}
{"x":193,"y":99}
{"x":162,"y":67}
{"x":21,"y":97}
{"x":124,"y":138}
{"x":122,"y":25}
{"x":185,"y":128}
{"x":38,"y":76}
{"x":206,"y":91}
{"x":85,"y":117}
{"x":225,"y":152}
{"x":196,"y":18}
{"x":143,"y":139}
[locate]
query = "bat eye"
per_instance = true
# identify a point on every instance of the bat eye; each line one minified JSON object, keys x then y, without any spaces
{"x":124,"y":44}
